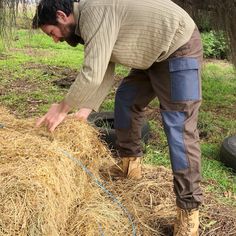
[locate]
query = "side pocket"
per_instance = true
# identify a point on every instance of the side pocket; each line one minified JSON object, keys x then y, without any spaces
{"x":185,"y":79}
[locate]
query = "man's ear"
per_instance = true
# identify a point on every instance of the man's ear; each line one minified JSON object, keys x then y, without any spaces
{"x":61,"y":17}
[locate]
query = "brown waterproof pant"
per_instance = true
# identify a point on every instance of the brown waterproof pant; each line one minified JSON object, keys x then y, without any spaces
{"x":176,"y":82}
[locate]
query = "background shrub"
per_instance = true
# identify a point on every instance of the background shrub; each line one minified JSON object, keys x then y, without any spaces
{"x":214,"y":45}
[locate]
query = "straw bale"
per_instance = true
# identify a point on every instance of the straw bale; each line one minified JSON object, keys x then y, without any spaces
{"x":42,"y":189}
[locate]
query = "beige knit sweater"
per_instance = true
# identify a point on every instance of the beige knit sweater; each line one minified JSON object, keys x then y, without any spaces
{"x":134,"y":33}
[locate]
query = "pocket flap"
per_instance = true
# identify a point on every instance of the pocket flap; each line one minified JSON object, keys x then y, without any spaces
{"x":178,"y":64}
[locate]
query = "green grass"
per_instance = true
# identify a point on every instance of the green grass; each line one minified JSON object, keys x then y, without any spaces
{"x":219,"y":87}
{"x":34,"y":61}
{"x":39,"y":48}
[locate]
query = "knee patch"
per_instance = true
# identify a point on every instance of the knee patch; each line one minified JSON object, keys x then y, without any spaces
{"x":174,"y":128}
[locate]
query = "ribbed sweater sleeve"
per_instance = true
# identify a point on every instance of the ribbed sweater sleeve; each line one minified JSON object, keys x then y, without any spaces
{"x":97,"y":98}
{"x":91,"y":85}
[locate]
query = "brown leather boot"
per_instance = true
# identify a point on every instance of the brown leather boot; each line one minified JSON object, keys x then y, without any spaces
{"x":128,"y":167}
{"x":187,"y":222}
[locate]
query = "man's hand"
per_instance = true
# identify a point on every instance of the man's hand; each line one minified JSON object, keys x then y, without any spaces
{"x":55,"y":115}
{"x":83,"y":113}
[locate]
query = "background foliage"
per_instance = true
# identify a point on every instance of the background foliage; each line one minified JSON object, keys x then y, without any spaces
{"x":214,"y":45}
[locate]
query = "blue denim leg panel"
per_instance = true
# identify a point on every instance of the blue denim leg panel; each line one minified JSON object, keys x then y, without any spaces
{"x":174,"y":128}
{"x":124,"y":100}
{"x":184,"y":74}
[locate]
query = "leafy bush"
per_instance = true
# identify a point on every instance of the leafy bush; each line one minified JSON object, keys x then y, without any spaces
{"x":214,"y":45}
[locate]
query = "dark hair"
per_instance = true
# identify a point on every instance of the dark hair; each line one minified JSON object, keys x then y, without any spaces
{"x":47,"y":9}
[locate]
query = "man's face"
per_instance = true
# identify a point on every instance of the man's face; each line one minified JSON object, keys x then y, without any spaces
{"x":62,"y":32}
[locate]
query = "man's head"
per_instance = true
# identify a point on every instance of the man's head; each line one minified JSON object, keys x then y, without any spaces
{"x":56,"y":19}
